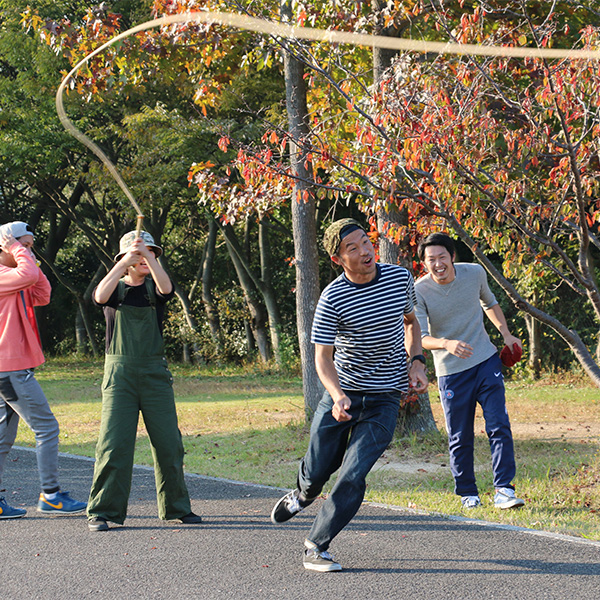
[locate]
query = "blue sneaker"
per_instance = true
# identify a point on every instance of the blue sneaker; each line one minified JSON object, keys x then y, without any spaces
{"x":61,"y":505}
{"x":9,"y":512}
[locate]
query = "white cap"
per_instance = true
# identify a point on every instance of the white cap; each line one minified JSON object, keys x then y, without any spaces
{"x":127,"y":240}
{"x":16,"y":228}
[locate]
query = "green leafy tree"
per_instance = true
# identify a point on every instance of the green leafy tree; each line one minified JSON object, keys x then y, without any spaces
{"x":153,"y":143}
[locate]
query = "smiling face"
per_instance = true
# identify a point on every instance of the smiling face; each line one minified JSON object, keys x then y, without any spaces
{"x":356,"y":256}
{"x":438,"y":262}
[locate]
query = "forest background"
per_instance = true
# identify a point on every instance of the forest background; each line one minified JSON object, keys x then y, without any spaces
{"x":241,"y":148}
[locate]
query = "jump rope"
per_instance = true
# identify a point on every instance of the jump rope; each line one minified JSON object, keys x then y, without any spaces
{"x":292,"y":32}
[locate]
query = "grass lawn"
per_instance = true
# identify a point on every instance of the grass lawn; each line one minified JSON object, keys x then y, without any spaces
{"x":249,"y":425}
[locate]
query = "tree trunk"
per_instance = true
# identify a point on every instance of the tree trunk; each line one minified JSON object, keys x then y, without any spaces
{"x":82,"y":320}
{"x":86,"y":304}
{"x":186,"y":307}
{"x":267,"y":290}
{"x":212,"y":314}
{"x":258,"y":313}
{"x":303,"y":222}
{"x":534,"y":335}
{"x":389,"y":252}
{"x":422,"y":420}
{"x":190,"y":321}
{"x":250,"y":341}
{"x":382,"y":59}
{"x":534,"y":331}
{"x":80,"y":333}
{"x":254,"y":286}
{"x":83,"y":329}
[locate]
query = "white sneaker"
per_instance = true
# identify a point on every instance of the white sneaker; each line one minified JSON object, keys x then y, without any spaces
{"x":505,"y":498}
{"x":470,"y":501}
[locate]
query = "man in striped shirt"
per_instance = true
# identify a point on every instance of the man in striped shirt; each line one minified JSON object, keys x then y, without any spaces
{"x":364,"y":331}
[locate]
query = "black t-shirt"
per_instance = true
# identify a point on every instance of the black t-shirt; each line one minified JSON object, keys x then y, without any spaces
{"x":136,"y":295}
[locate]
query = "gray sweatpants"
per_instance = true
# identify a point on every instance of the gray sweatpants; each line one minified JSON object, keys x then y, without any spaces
{"x":21,"y":396}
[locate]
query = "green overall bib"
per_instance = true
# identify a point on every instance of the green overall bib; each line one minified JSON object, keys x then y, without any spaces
{"x":136,"y":378}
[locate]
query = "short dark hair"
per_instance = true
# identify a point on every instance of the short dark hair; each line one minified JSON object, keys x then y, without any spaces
{"x":436,"y":239}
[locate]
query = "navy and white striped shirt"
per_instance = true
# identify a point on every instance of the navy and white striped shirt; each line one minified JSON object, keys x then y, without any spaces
{"x":365,"y":323}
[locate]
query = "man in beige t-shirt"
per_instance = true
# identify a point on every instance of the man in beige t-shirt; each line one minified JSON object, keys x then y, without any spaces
{"x":451,"y":301}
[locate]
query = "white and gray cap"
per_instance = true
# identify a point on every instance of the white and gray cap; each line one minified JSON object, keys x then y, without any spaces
{"x":127,"y":240}
{"x":16,"y":228}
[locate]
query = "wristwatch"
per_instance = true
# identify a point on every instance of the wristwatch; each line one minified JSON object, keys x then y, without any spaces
{"x":418,"y":357}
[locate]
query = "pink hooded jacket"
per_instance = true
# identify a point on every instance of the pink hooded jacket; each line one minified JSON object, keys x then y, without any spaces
{"x":21,"y":288}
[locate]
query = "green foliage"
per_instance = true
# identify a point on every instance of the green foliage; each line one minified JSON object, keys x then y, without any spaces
{"x":232,"y":347}
{"x":290,"y":357}
{"x":136,"y":103}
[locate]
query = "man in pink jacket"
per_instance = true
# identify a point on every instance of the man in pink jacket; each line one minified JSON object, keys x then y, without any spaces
{"x":23,"y":286}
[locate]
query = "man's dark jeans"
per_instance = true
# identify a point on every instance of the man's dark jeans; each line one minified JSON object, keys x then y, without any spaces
{"x":354,"y":445}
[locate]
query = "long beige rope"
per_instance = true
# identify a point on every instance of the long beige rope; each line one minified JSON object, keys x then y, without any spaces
{"x":288,"y":31}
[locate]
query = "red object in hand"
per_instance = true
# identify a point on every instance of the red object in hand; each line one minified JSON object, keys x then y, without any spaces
{"x":511,"y":357}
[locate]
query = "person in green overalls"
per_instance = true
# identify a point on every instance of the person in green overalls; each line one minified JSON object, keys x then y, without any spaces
{"x":136,"y":379}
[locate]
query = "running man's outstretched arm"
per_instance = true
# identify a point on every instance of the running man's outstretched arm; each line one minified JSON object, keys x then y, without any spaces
{"x":329,"y":378}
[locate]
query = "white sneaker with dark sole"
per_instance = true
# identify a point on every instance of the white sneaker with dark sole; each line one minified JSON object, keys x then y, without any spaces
{"x":322,"y":562}
{"x":505,"y":498}
{"x":470,"y":501}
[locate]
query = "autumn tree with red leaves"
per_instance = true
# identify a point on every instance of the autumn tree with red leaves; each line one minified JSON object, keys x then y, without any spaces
{"x":501,"y":151}
{"x":505,"y":153}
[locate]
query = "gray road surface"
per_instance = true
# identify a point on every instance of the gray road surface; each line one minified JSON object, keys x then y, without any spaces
{"x":237,"y":553}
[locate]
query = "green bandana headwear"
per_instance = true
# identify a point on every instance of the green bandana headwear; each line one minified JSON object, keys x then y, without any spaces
{"x":332,"y":236}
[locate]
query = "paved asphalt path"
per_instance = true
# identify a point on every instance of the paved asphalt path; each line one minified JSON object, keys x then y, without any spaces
{"x":237,"y":553}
